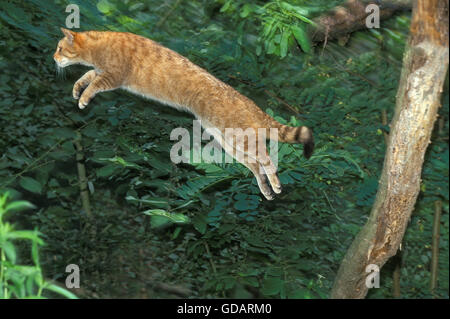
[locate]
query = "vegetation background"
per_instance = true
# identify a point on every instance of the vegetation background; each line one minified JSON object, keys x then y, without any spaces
{"x":202,"y":230}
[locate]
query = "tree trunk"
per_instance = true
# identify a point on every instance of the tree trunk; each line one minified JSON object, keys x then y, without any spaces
{"x":425,"y":66}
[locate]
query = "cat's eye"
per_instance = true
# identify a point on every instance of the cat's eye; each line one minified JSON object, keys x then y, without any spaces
{"x":59,"y":49}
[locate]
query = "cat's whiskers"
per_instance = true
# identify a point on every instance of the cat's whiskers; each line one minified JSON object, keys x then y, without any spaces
{"x":60,"y":71}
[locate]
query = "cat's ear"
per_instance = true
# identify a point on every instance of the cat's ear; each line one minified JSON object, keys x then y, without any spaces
{"x":70,"y":35}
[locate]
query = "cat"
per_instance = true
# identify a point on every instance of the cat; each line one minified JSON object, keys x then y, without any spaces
{"x":144,"y":67}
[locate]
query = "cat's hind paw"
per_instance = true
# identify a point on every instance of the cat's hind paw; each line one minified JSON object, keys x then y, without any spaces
{"x":269,"y":196}
{"x":266,"y":191}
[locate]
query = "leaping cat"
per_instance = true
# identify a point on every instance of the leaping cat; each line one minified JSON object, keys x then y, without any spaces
{"x":144,"y":67}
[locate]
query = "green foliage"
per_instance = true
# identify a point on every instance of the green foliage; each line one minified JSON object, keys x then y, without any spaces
{"x":281,"y":23}
{"x":206,"y":226}
{"x":21,"y":281}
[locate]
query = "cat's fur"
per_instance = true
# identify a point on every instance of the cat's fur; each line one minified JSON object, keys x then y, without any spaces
{"x":144,"y":67}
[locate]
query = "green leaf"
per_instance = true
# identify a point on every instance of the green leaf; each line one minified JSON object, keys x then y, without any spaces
{"x":284,"y":43}
{"x":61,"y":291}
{"x":226,"y":6}
{"x":246,"y":9}
{"x":28,"y":109}
{"x":10,"y":251}
{"x":302,"y":37}
{"x":159,"y":221}
{"x":301,"y":293}
{"x":25,"y":234}
{"x":272,"y":286}
{"x":247,"y":202}
{"x":268,"y":28}
{"x":271,"y":47}
{"x":252,"y":281}
{"x":19,"y":205}
{"x":174,"y":217}
{"x":199,"y":223}
{"x":104,"y":6}
{"x":63,"y":132}
{"x":31,"y":185}
{"x":176,"y":233}
{"x":35,"y":253}
{"x":194,"y":186}
{"x":107,"y":170}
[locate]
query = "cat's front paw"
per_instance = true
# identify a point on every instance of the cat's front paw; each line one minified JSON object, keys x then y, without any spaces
{"x":82,"y":103}
{"x":75,"y":94}
{"x":76,"y":91}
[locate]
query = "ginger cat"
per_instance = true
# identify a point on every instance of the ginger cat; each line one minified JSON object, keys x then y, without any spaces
{"x":144,"y":67}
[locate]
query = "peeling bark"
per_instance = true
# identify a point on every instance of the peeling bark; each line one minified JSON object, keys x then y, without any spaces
{"x":425,"y":65}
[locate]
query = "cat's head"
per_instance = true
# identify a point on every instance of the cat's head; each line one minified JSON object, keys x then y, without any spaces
{"x":69,"y":49}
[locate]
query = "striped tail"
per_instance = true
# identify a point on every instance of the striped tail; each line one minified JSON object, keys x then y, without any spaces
{"x":301,"y":134}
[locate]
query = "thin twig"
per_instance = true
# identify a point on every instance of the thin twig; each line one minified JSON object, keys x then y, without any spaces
{"x":211,"y":261}
{"x":176,"y":290}
{"x":326,"y":40}
{"x":328,"y":200}
{"x":441,"y":125}
{"x":281,"y":101}
{"x":342,"y":68}
{"x":28,"y":168}
{"x":396,"y":287}
{"x":82,"y":179}
{"x":384,"y":121}
{"x":435,"y":245}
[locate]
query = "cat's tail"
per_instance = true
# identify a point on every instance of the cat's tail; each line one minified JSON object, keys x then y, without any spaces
{"x":300,"y":134}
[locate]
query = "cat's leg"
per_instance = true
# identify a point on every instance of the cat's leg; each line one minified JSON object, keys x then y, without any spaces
{"x":82,"y":83}
{"x":256,"y":168}
{"x":101,"y":83}
{"x":271,"y":171}
{"x":266,"y":166}
{"x":258,"y":153}
{"x":249,"y":162}
{"x":261,"y":178}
